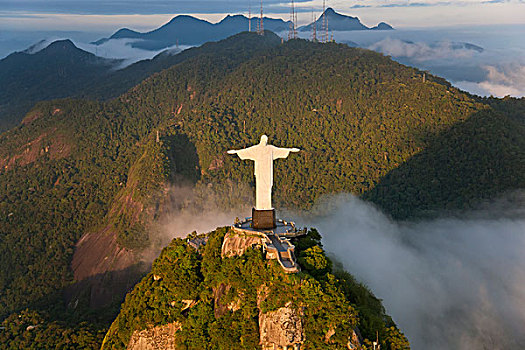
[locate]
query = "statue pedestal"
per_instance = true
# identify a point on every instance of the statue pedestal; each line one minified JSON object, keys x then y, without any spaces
{"x":263,"y":219}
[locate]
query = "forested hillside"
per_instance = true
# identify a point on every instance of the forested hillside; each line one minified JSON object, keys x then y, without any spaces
{"x":59,"y":70}
{"x":63,"y":70}
{"x":365,"y":124}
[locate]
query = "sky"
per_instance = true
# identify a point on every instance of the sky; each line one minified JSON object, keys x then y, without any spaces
{"x":108,"y":15}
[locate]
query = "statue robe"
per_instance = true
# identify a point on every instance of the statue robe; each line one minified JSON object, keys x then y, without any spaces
{"x":263,"y":156}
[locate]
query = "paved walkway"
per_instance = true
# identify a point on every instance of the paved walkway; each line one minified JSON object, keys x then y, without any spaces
{"x":283,"y":252}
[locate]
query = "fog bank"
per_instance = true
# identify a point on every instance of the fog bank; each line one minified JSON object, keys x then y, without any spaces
{"x":450,"y":283}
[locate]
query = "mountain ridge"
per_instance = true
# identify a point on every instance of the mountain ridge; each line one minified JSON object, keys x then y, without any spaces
{"x":58,"y":70}
{"x":189,"y":30}
{"x":339,"y":22}
{"x":183,"y":29}
{"x":25,"y":76}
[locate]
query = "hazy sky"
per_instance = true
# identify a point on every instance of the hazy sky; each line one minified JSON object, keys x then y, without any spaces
{"x":107,"y":15}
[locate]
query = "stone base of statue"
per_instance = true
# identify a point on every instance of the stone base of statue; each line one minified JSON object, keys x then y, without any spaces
{"x":263,"y":219}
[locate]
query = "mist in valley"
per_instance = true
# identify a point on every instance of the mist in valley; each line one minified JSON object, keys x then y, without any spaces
{"x":456,"y":282}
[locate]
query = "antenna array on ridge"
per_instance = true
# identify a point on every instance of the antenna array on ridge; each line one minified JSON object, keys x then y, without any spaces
{"x":314,"y":27}
{"x":260,"y":26}
{"x":250,"y":16}
{"x":292,"y":34}
{"x":325,"y":24}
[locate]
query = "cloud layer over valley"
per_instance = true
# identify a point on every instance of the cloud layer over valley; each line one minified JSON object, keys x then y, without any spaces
{"x":449,"y":283}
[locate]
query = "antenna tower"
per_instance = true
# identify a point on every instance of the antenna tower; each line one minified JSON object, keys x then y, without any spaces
{"x":314,"y":27}
{"x":325,"y":23}
{"x":260,"y":28}
{"x":292,"y":34}
{"x":250,"y":16}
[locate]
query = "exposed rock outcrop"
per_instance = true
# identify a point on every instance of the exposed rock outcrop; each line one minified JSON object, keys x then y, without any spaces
{"x":49,"y":143}
{"x":160,"y":337}
{"x":281,"y":329}
{"x":103,"y":269}
{"x":235,"y":243}
{"x":220,"y":293}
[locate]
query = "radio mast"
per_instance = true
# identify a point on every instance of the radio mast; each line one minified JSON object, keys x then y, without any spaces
{"x":292,"y":34}
{"x":314,"y":27}
{"x":260,"y":28}
{"x":325,"y":23}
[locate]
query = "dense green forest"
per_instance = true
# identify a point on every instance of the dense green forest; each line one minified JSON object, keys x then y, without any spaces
{"x":329,"y":301}
{"x":365,"y":124}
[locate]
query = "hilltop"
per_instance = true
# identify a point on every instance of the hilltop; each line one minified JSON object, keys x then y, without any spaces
{"x":85,"y":181}
{"x":196,"y":299}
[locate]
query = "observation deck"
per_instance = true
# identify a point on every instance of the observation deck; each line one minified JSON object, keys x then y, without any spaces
{"x":276,"y":241}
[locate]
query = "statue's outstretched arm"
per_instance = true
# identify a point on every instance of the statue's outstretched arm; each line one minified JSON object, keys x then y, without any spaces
{"x":283,"y":152}
{"x":247,"y":153}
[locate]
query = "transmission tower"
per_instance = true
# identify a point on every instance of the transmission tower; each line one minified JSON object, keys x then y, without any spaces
{"x":292,"y":34}
{"x":314,"y":27}
{"x":260,"y":27}
{"x":325,"y":24}
{"x":250,"y":16}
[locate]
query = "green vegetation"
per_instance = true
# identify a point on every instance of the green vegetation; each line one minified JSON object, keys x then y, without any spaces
{"x":255,"y":284}
{"x":365,"y":124}
{"x":63,"y":70}
{"x":32,"y":330}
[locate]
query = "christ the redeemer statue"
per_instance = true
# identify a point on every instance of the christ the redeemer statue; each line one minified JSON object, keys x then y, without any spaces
{"x":263,"y":155}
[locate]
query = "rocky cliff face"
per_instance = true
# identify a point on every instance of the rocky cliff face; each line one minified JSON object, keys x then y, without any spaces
{"x":281,"y":328}
{"x":160,"y":337}
{"x":236,"y":244}
{"x":227,"y":295}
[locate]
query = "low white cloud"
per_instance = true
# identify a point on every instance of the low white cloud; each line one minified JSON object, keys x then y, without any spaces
{"x":198,"y":209}
{"x":420,"y":51}
{"x":506,"y":81}
{"x":123,"y":49}
{"x":119,"y":49}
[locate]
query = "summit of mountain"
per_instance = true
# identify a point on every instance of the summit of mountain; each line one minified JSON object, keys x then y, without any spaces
{"x":57,"y":70}
{"x":340,"y":22}
{"x":203,"y":296}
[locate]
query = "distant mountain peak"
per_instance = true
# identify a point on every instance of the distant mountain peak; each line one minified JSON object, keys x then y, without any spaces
{"x":341,"y":22}
{"x":331,"y":12}
{"x":189,"y":30}
{"x":65,"y":44}
{"x":382,"y":26}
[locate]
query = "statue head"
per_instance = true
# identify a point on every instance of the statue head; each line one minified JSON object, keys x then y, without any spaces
{"x":264,"y":140}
